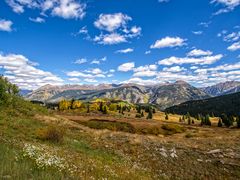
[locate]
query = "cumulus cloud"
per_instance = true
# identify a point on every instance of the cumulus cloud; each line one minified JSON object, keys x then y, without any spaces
{"x":80,"y":61}
{"x":229,"y":5}
{"x":37,"y":20}
{"x":126,"y":67}
{"x":188,"y":60}
{"x":6,"y":25}
{"x":111,"y":22}
{"x":168,"y":42}
{"x":163,"y":1}
{"x":109,"y":39}
{"x":145,"y":71}
{"x":174,"y":69}
{"x":115,"y":29}
{"x":90,"y":75}
{"x":21,"y":71}
{"x":199,"y":52}
{"x":235,"y":46}
{"x":197,"y":32}
{"x":140,"y":81}
{"x":66,"y":9}
{"x":124,"y":51}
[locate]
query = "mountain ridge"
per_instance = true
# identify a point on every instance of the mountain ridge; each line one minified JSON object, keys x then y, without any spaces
{"x":163,"y":95}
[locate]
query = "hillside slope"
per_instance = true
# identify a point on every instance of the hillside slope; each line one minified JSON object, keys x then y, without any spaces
{"x":228,"y":104}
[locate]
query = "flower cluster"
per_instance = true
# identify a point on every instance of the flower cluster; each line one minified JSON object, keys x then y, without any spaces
{"x":43,"y":157}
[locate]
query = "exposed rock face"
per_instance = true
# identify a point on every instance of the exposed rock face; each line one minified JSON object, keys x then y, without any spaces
{"x":163,"y":95}
{"x":176,"y":93}
{"x":223,"y":88}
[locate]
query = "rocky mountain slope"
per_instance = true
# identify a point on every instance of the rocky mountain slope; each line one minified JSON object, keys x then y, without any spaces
{"x":222,"y":88}
{"x":163,"y":95}
{"x":172,"y":94}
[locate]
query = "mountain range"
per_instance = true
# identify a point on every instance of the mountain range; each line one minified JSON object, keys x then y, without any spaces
{"x":162,"y":95}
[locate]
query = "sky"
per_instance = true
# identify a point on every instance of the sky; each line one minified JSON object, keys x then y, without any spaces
{"x":119,"y":41}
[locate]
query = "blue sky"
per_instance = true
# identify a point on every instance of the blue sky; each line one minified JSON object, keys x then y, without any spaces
{"x":119,"y":41}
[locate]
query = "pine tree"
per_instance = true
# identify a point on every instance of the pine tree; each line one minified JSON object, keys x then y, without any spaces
{"x":189,"y":120}
{"x":154,"y":110}
{"x":180,"y":119}
{"x":226,"y":120}
{"x":238,"y":121}
{"x":88,"y":108}
{"x":203,"y":121}
{"x":166,"y":116}
{"x":150,"y":115}
{"x":104,"y":111}
{"x":183,"y":118}
{"x":207,"y":120}
{"x":220,"y":122}
{"x":139,"y":109}
{"x":101,"y":106}
{"x":72,"y":103}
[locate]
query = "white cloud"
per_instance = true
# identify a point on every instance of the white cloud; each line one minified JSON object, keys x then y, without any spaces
{"x":111,"y":22}
{"x":124,"y":51}
{"x":197,"y":32}
{"x":23,"y":72}
{"x":79,"y":74}
{"x":205,"y":24}
{"x":199,"y":52}
{"x":5,"y":25}
{"x":74,"y":79}
{"x":145,"y":71}
{"x":95,"y":62}
{"x":98,"y":61}
{"x":80,"y":61}
{"x":69,"y":9}
{"x":234,"y":36}
{"x":126,"y":67}
{"x":66,"y":9}
{"x":151,"y":67}
{"x":168,"y":42}
{"x":37,"y":20}
{"x":186,"y":60}
{"x":89,"y":75}
{"x":229,"y":5}
{"x":163,"y":1}
{"x":235,"y":46}
{"x":90,"y":80}
{"x":147,"y":52}
{"x":174,"y":69}
{"x":140,"y":81}
{"x":109,"y":39}
{"x":117,"y":29}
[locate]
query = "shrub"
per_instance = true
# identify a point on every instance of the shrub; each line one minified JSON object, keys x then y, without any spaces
{"x":50,"y":133}
{"x":173,"y":128}
{"x":220,"y":122}
{"x":111,"y":125}
{"x":238,"y":121}
{"x":189,"y":135}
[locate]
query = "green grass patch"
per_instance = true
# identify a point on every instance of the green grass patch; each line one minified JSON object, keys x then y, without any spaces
{"x":14,"y":166}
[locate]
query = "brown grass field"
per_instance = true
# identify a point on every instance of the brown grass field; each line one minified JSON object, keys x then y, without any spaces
{"x":113,"y":146}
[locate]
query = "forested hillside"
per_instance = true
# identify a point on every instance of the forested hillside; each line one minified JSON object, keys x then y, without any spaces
{"x":227,"y":104}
